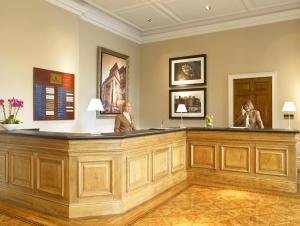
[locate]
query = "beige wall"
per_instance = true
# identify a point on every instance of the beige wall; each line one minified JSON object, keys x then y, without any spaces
{"x":89,"y":38}
{"x":35,"y":33}
{"x":273,"y":47}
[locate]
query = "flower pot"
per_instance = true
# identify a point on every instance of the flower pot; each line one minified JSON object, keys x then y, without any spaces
{"x":209,"y":125}
{"x":10,"y":126}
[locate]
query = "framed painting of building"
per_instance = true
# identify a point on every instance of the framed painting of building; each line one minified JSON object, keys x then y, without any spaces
{"x":194,"y":100}
{"x":187,"y":71}
{"x":112,"y":81}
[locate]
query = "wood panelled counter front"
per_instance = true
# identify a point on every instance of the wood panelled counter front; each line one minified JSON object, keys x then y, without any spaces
{"x":263,"y":160}
{"x":89,"y":177}
{"x":78,"y":175}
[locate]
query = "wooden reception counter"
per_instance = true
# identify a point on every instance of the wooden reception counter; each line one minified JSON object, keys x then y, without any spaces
{"x":77,"y":175}
{"x":264,"y":159}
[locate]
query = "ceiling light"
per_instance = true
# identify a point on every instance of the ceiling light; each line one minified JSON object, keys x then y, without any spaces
{"x":208,"y":8}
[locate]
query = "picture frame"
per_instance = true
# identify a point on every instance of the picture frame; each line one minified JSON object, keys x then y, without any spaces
{"x":53,"y":95}
{"x":194,"y":99}
{"x":187,"y":71}
{"x":112,"y":81}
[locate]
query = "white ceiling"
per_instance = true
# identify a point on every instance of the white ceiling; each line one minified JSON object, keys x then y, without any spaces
{"x":178,"y":18}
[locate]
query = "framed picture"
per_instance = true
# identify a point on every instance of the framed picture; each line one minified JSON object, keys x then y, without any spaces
{"x":194,"y":100}
{"x":188,"y":70}
{"x":112,"y":82}
{"x":53,"y":95}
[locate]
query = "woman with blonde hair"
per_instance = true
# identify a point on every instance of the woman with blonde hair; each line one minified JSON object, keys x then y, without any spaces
{"x":249,"y":117}
{"x":125,"y":121}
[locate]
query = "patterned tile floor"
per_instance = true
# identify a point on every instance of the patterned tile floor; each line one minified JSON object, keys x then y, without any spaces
{"x":197,"y":205}
{"x":218,"y":206}
{"x":13,"y":220}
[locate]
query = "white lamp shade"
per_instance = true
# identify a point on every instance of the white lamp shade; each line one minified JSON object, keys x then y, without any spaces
{"x":95,"y":105}
{"x":181,"y":108}
{"x":289,"y":106}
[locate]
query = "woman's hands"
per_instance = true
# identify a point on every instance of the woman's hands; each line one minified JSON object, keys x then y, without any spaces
{"x":243,"y":111}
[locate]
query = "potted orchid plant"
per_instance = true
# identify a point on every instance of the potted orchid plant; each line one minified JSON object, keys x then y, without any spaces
{"x":10,"y":113}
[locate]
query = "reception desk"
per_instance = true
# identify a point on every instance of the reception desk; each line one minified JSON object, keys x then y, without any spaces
{"x":78,"y":175}
{"x":263,"y":159}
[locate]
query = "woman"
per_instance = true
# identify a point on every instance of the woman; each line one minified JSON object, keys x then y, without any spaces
{"x":125,"y":122}
{"x":249,"y":117}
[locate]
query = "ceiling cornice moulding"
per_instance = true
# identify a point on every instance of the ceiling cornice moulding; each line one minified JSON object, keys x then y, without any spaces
{"x":223,"y":26}
{"x":69,"y":5}
{"x":103,"y":20}
{"x":95,"y":16}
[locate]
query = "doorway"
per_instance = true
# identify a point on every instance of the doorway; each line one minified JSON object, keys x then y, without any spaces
{"x":260,"y":88}
{"x":259,"y":91}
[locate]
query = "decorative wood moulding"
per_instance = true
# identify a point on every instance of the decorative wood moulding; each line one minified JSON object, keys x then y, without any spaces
{"x":203,"y":156}
{"x":95,"y":178}
{"x":235,"y":158}
{"x":161,"y":163}
{"x":21,"y":169}
{"x":272,"y":161}
{"x":138,"y":170}
{"x":4,"y":166}
{"x":178,"y":157}
{"x":91,"y":14}
{"x":50,"y":175}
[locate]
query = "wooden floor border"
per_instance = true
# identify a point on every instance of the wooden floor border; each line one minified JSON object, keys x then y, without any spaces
{"x":25,"y":220}
{"x":140,"y":211}
{"x":130,"y":217}
{"x":9,"y":209}
{"x":247,"y":189}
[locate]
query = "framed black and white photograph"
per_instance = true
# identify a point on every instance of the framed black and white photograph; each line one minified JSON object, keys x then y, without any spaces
{"x":112,"y":82}
{"x":193,"y":99}
{"x":187,"y":70}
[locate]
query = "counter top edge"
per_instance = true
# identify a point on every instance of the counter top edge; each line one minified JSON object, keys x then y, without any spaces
{"x":138,"y":133}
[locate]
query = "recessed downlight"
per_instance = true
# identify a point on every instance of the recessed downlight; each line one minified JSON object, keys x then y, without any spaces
{"x":208,"y":8}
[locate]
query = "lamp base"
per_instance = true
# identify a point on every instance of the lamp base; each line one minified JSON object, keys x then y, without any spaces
{"x":181,"y":122}
{"x":95,"y":133}
{"x":290,"y":122}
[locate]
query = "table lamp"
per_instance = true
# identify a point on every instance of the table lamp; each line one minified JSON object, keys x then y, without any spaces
{"x":289,"y":107}
{"x":181,"y":108}
{"x":95,"y":105}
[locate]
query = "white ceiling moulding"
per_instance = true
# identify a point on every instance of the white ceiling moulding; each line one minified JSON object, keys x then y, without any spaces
{"x":210,"y":28}
{"x":111,"y":24}
{"x":102,"y":19}
{"x":70,"y":5}
{"x":94,"y":16}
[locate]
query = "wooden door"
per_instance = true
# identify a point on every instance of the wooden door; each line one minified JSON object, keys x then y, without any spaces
{"x":259,"y":91}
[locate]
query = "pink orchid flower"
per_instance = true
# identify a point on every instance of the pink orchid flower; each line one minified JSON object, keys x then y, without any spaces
{"x":10,"y":115}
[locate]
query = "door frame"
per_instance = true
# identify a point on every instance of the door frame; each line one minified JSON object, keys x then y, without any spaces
{"x":252,"y":75}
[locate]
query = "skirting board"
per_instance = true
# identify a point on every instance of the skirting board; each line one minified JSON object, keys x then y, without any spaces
{"x":133,"y":199}
{"x":258,"y":183}
{"x":93,"y":208}
{"x":33,"y":202}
